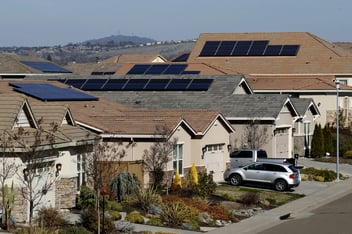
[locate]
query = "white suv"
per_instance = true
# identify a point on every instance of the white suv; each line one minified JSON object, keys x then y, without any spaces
{"x":282,"y":176}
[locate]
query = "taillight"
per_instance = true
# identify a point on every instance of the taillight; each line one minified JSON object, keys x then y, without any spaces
{"x":292,"y":176}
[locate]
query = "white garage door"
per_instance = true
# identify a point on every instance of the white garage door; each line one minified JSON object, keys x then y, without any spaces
{"x":214,"y":161}
{"x":282,"y":141}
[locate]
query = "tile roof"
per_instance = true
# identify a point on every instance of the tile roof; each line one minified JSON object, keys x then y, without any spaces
{"x":292,"y":83}
{"x":315,"y":55}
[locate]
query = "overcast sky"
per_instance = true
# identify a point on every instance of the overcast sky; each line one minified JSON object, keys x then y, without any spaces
{"x":59,"y":22}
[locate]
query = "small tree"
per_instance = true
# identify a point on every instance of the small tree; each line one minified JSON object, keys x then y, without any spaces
{"x":159,"y":154}
{"x":8,"y":168}
{"x":328,"y":140}
{"x":193,"y":175}
{"x":101,"y":167}
{"x":255,"y":135}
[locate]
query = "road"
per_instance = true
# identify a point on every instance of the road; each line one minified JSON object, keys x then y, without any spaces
{"x":333,"y":218}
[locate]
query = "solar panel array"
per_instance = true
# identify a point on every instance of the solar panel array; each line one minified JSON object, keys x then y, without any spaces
{"x":48,"y":92}
{"x":46,"y":67}
{"x":246,"y":48}
{"x":98,"y":73}
{"x":160,"y":69}
{"x":140,"y":84}
{"x":182,"y":58}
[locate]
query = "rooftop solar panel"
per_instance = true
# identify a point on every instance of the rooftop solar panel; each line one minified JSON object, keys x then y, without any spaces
{"x":77,"y":83}
{"x":46,"y":67}
{"x":114,"y":84}
{"x":210,"y":48}
{"x":273,"y":50}
{"x":175,"y":69}
{"x":191,"y":72}
{"x":225,"y":48}
{"x":139,"y":69}
{"x":289,"y":50}
{"x":200,"y":84}
{"x":48,"y":92}
{"x":94,"y":84}
{"x":182,"y":58}
{"x":135,"y":84}
{"x":156,"y":84}
{"x":96,"y":73}
{"x":178,"y":84}
{"x":242,"y":48}
{"x":156,"y":69}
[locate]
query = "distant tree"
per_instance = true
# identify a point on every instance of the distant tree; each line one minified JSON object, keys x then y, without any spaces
{"x":159,"y":154}
{"x":318,"y":149}
{"x":49,"y":58}
{"x":255,"y":135}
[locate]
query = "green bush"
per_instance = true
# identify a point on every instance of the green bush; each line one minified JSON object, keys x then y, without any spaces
{"x":348,"y":154}
{"x":146,"y":197}
{"x":205,"y":187}
{"x":74,"y":230}
{"x":134,"y":217}
{"x":116,"y":206}
{"x":175,"y":213}
{"x":328,"y":175}
{"x":155,"y":221}
{"x":89,"y":220}
{"x":114,"y":215}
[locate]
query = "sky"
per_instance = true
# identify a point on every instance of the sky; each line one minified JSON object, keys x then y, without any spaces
{"x":59,"y":22}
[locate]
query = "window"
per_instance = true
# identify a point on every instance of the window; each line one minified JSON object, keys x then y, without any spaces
{"x":241,"y":154}
{"x":178,"y":158}
{"x":81,"y":174}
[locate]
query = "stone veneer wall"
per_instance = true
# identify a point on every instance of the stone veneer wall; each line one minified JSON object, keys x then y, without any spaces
{"x":66,"y":193}
{"x":20,"y":208}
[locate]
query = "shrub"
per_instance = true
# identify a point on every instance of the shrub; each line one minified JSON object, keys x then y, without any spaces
{"x":175,"y":213}
{"x":155,"y":221}
{"x":348,"y":154}
{"x":114,"y":215}
{"x":328,"y":175}
{"x":145,"y":198}
{"x":250,"y":198}
{"x":50,"y":218}
{"x":205,"y":187}
{"x":86,"y":198}
{"x":89,"y":220}
{"x":135,"y":217}
{"x":115,"y":206}
{"x":74,"y":230}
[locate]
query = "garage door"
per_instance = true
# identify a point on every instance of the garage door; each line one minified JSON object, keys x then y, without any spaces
{"x":214,"y":161}
{"x":282,"y":141}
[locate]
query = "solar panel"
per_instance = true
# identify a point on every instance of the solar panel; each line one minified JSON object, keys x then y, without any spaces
{"x":191,"y":72}
{"x":242,"y":48}
{"x":94,"y":84}
{"x":182,"y":58}
{"x":48,"y":92}
{"x":273,"y":50}
{"x":114,"y":84}
{"x":257,"y":48}
{"x":226,"y":48}
{"x":157,"y":84}
{"x":139,"y":69}
{"x":178,"y":84}
{"x":77,"y":83}
{"x":289,"y":50}
{"x":135,"y":84}
{"x":200,"y":84}
{"x":109,"y":73}
{"x":156,"y":69}
{"x":210,"y":48}
{"x":96,"y":73}
{"x":46,"y":67}
{"x":175,"y":69}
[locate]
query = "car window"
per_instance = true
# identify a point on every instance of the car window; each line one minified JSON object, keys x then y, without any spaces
{"x":241,"y":154}
{"x":262,"y":154}
{"x":274,"y":167}
{"x":255,"y":166}
{"x":293,"y":168}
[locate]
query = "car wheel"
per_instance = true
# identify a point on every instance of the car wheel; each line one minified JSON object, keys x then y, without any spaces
{"x":235,"y":179}
{"x":281,"y":185}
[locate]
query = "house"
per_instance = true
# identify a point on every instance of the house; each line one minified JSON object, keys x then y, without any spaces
{"x":320,"y":88}
{"x":39,"y":146}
